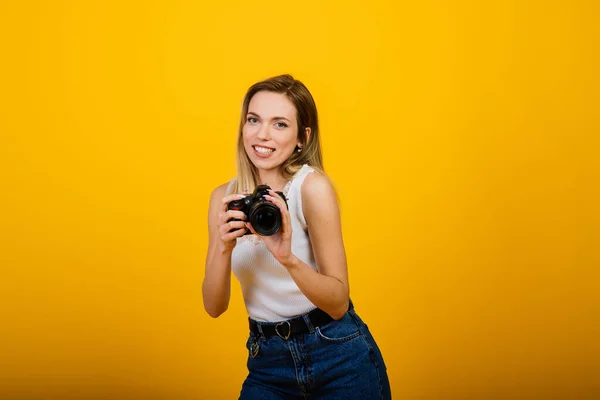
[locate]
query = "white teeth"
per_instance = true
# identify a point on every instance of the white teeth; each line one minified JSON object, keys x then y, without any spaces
{"x":263,"y":150}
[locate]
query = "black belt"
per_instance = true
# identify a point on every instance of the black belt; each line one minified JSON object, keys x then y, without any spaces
{"x":290,"y":327}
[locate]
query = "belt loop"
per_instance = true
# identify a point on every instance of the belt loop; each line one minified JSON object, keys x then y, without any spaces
{"x":259,"y":326}
{"x":308,"y":323}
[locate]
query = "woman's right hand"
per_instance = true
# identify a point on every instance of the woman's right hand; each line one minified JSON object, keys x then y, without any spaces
{"x":230,"y":230}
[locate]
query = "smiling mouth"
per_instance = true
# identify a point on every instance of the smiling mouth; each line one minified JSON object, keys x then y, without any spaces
{"x":263,"y":150}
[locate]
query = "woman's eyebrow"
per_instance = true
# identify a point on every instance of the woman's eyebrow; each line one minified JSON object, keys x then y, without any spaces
{"x":274,"y":118}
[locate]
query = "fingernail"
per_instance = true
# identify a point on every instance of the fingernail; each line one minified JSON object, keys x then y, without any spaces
{"x":241,"y":196}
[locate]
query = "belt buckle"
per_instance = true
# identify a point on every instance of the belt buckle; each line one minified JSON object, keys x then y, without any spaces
{"x":289,"y":332}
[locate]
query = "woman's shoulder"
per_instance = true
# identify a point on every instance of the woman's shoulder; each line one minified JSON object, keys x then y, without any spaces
{"x":318,"y":190}
{"x":320,"y":202}
{"x":220,"y":191}
{"x":316,"y":181}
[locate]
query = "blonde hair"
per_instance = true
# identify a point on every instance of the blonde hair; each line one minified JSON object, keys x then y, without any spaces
{"x":306,"y":115}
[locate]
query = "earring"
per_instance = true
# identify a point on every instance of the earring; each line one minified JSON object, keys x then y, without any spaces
{"x":299,"y":150}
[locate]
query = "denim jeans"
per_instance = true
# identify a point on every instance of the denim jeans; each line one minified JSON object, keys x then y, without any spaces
{"x":339,"y":360}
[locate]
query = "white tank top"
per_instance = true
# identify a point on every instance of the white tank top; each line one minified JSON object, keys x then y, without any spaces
{"x":269,"y":292}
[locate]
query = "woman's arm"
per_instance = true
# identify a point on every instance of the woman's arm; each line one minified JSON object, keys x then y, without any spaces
{"x":328,"y":289}
{"x":216,"y":287}
{"x":222,"y":235}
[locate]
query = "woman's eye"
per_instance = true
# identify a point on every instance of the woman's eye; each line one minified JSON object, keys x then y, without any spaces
{"x":281,"y":125}
{"x":252,"y":120}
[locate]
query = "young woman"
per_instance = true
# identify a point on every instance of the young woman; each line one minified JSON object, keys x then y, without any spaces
{"x":306,"y":340}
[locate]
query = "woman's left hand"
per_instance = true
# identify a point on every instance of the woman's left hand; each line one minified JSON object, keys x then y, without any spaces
{"x":279,"y":244}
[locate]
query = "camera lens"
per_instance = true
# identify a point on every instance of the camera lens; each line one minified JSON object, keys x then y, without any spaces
{"x":265,"y":218}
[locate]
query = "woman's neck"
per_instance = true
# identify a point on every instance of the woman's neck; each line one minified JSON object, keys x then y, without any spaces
{"x":273,"y":178}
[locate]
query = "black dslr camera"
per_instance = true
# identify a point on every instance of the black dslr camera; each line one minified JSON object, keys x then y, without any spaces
{"x":264,"y":216}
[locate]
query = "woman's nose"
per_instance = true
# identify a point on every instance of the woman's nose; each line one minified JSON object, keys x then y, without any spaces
{"x":263,"y":133}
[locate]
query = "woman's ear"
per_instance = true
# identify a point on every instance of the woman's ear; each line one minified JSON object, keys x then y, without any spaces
{"x":307,"y":134}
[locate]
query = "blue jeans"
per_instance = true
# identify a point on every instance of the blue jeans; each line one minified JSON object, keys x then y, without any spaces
{"x":339,"y":360}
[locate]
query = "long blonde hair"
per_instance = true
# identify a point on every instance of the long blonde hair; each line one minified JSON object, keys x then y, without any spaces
{"x":307,"y":117}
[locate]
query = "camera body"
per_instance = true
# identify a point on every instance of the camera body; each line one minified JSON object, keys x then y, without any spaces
{"x":264,"y":216}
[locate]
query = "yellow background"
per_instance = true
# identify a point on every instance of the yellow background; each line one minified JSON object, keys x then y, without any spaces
{"x":462,"y":138}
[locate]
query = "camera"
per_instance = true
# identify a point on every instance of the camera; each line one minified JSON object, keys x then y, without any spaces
{"x":264,"y":216}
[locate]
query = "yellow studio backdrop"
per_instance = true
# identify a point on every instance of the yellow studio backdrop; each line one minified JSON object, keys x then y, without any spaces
{"x":462,"y":137}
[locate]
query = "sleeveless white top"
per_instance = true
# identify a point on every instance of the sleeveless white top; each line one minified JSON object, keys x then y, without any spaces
{"x":269,"y":292}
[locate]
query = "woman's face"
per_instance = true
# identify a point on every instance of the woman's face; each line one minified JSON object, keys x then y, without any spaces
{"x":271,"y":131}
